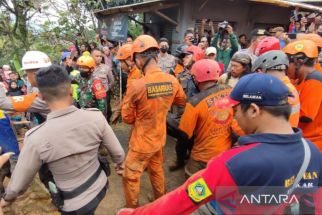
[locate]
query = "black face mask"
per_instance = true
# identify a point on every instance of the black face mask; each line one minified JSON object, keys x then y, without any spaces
{"x":164,"y":49}
{"x":69,"y":69}
{"x":85,"y":74}
{"x":320,"y":33}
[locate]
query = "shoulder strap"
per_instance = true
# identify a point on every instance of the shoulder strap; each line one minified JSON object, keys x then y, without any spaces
{"x":304,"y":166}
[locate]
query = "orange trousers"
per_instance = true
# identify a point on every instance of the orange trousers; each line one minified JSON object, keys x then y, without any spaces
{"x":135,"y":164}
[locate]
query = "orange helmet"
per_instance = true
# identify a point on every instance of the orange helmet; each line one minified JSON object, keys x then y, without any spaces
{"x":124,"y":52}
{"x":86,"y":61}
{"x":307,"y":47}
{"x":313,"y":37}
{"x":143,"y":43}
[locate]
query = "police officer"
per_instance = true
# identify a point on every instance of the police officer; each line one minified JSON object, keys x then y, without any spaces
{"x":91,"y":92}
{"x":272,"y":155}
{"x":166,"y":61}
{"x":145,"y":106}
{"x":105,"y":74}
{"x":72,"y":156}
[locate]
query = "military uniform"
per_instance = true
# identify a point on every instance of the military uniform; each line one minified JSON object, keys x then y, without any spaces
{"x":166,"y":63}
{"x":91,"y":93}
{"x":71,"y":156}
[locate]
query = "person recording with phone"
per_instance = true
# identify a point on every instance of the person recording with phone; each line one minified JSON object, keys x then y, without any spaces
{"x":226,"y":43}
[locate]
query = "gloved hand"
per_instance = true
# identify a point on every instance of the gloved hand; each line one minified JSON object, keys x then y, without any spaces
{"x":125,"y":211}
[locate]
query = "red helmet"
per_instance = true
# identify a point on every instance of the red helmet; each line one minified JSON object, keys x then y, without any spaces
{"x":206,"y":70}
{"x":197,"y":52}
{"x":267,"y":44}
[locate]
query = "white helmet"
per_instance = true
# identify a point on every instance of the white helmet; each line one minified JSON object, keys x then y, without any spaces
{"x":6,"y":67}
{"x":35,"y":60}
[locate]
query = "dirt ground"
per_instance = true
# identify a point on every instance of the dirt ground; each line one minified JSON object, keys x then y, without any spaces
{"x":114,"y":200}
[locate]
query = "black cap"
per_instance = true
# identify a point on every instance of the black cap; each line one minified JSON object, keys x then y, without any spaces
{"x":259,"y":32}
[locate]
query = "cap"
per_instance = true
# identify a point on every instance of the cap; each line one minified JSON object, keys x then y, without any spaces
{"x":259,"y":32}
{"x":277,"y":29}
{"x":65,"y":55}
{"x":211,"y":50}
{"x":261,"y":89}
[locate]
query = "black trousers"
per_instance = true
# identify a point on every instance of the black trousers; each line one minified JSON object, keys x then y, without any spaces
{"x":108,"y":106}
{"x":90,"y":208}
{"x":183,"y":150}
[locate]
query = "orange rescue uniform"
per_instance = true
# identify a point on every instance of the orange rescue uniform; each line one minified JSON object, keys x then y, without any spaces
{"x":209,"y":117}
{"x":145,"y":106}
{"x":178,"y":69}
{"x":318,"y":67}
{"x":310,"y":91}
{"x":293,"y":101}
{"x":134,"y":74}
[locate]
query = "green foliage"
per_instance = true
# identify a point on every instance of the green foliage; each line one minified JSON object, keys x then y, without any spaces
{"x":136,"y":29}
{"x":73,"y":20}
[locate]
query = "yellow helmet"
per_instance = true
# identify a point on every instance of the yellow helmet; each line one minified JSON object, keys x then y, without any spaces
{"x":86,"y":53}
{"x":86,"y":61}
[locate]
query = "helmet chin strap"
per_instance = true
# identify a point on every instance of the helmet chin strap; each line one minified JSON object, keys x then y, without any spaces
{"x":128,"y":66}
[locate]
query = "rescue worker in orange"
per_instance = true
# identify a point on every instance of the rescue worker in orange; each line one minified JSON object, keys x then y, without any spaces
{"x":317,"y":39}
{"x":32,"y":61}
{"x":275,"y":63}
{"x":302,"y":56}
{"x":145,"y":106}
{"x":207,"y":116}
{"x":128,"y":66}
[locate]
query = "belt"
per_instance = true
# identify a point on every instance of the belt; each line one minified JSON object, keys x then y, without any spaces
{"x":79,"y":190}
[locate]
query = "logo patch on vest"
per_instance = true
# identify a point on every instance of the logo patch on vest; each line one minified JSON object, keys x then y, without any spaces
{"x":159,"y":89}
{"x":198,"y":190}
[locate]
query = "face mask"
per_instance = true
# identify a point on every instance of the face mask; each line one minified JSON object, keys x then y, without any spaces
{"x":85,"y":74}
{"x":164,"y":49}
{"x":69,"y":69}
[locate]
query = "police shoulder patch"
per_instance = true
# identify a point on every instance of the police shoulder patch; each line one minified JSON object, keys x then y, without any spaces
{"x":198,"y":190}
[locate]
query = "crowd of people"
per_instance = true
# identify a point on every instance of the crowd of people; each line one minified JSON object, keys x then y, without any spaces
{"x":243,"y":113}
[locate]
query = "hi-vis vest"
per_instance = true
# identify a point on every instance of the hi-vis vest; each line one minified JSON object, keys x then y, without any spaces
{"x":75,"y":87}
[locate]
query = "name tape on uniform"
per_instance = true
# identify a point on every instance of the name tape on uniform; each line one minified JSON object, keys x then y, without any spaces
{"x":155,"y":90}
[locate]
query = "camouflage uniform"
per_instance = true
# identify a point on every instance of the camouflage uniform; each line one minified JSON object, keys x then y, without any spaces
{"x":91,"y":93}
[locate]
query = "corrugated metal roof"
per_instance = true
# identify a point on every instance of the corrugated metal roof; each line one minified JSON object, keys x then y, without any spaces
{"x":138,"y":7}
{"x":150,"y":5}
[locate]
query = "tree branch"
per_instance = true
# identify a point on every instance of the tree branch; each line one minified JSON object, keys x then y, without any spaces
{"x":6,"y":5}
